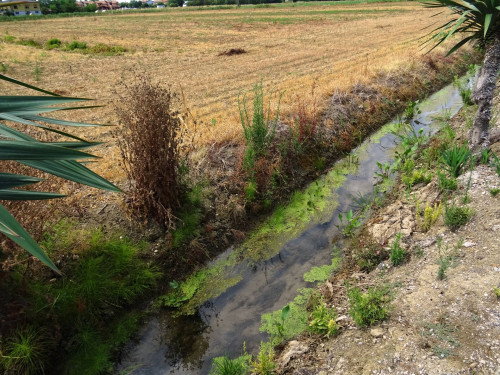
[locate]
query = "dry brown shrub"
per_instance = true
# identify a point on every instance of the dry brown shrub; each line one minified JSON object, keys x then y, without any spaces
{"x":150,"y":140}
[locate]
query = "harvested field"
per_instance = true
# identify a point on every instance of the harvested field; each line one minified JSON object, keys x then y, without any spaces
{"x":299,"y":48}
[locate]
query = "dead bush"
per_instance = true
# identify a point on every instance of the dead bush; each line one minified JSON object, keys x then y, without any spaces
{"x":150,"y":140}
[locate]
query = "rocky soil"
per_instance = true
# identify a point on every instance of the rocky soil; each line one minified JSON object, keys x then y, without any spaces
{"x":449,"y":326}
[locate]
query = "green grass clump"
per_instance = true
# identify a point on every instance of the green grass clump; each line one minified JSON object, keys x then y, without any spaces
{"x":25,"y":352}
{"x":108,"y":276}
{"x":368,"y":307}
{"x":76,"y":45}
{"x":494,"y":191}
{"x":429,"y":217}
{"x":456,"y":216}
{"x":226,"y":366}
{"x":397,"y":253}
{"x":53,"y":43}
{"x":29,"y":42}
{"x":104,"y":49}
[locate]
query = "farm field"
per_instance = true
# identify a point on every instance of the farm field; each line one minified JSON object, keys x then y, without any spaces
{"x":301,"y":48}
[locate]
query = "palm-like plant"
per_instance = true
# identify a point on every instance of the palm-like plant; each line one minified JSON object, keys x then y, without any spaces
{"x":63,"y":159}
{"x":478,"y":21}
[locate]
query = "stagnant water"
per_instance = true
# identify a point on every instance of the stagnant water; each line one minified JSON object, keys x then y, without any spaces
{"x":187,"y":344}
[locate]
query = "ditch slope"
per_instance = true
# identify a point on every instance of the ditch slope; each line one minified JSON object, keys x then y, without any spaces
{"x":448,"y":326}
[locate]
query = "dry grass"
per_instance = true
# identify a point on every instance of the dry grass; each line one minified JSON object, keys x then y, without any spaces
{"x":293,"y":48}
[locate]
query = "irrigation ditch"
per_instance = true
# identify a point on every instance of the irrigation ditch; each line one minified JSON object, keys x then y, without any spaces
{"x":233,"y":297}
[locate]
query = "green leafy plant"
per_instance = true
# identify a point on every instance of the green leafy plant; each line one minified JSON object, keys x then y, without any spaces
{"x":456,"y":216}
{"x":384,"y":170}
{"x":445,"y":257}
{"x":411,"y":110}
{"x":226,"y":366}
{"x":397,"y":254}
{"x":455,"y":159}
{"x":367,"y":308}
{"x":76,"y":45}
{"x":322,"y":320}
{"x":349,"y":223}
{"x":280,"y":324}
{"x":496,"y":291}
{"x":62,"y":159}
{"x":496,"y":163}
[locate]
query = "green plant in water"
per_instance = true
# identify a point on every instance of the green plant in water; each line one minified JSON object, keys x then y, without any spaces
{"x":455,"y":159}
{"x":429,"y":217}
{"x":349,"y":223}
{"x":25,"y":352}
{"x":384,"y":171}
{"x":456,"y":216}
{"x":397,"y":253}
{"x":368,"y":307}
{"x":411,"y":110}
{"x":322,"y":320}
{"x":464,"y":90}
{"x":280,"y":324}
{"x":264,"y":363}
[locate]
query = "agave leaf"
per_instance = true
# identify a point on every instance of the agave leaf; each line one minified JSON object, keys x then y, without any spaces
{"x":12,"y":80}
{"x":9,"y":180}
{"x":26,"y":150}
{"x":12,"y":229}
{"x":28,"y":195}
{"x":73,"y":171}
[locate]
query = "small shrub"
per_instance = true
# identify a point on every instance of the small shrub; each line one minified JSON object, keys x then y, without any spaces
{"x":150,"y":141}
{"x":398,"y":254}
{"x":456,"y":216}
{"x":496,"y":291}
{"x":416,"y":176}
{"x":455,"y":159}
{"x":76,"y":45}
{"x":322,"y":320}
{"x":259,"y":130}
{"x":250,"y":191}
{"x":53,"y":43}
{"x":430,"y":215}
{"x":30,"y":43}
{"x":368,"y":307}
{"x":264,"y":363}
{"x":446,"y":184}
{"x":370,"y":256}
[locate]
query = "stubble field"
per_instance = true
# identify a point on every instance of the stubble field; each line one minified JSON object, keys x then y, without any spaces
{"x":307,"y":49}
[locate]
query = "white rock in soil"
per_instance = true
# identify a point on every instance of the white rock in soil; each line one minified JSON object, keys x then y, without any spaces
{"x":377,"y":332}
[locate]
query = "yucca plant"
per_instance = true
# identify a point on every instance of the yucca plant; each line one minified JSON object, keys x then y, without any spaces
{"x":63,"y":159}
{"x":478,"y":22}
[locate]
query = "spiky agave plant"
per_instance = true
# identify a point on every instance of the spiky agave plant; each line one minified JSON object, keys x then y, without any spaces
{"x":477,"y":22}
{"x":63,"y":159}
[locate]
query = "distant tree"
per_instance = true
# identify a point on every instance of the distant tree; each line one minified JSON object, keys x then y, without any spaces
{"x":175,"y":3}
{"x":477,"y":22}
{"x":90,"y":8}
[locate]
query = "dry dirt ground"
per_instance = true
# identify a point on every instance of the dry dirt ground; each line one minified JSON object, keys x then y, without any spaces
{"x":449,"y":326}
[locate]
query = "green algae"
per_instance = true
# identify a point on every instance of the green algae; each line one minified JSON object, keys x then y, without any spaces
{"x":322,"y":273}
{"x":306,"y":208}
{"x":295,"y":322}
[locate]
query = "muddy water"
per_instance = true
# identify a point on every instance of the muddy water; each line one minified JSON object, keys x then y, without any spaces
{"x":230,"y":317}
